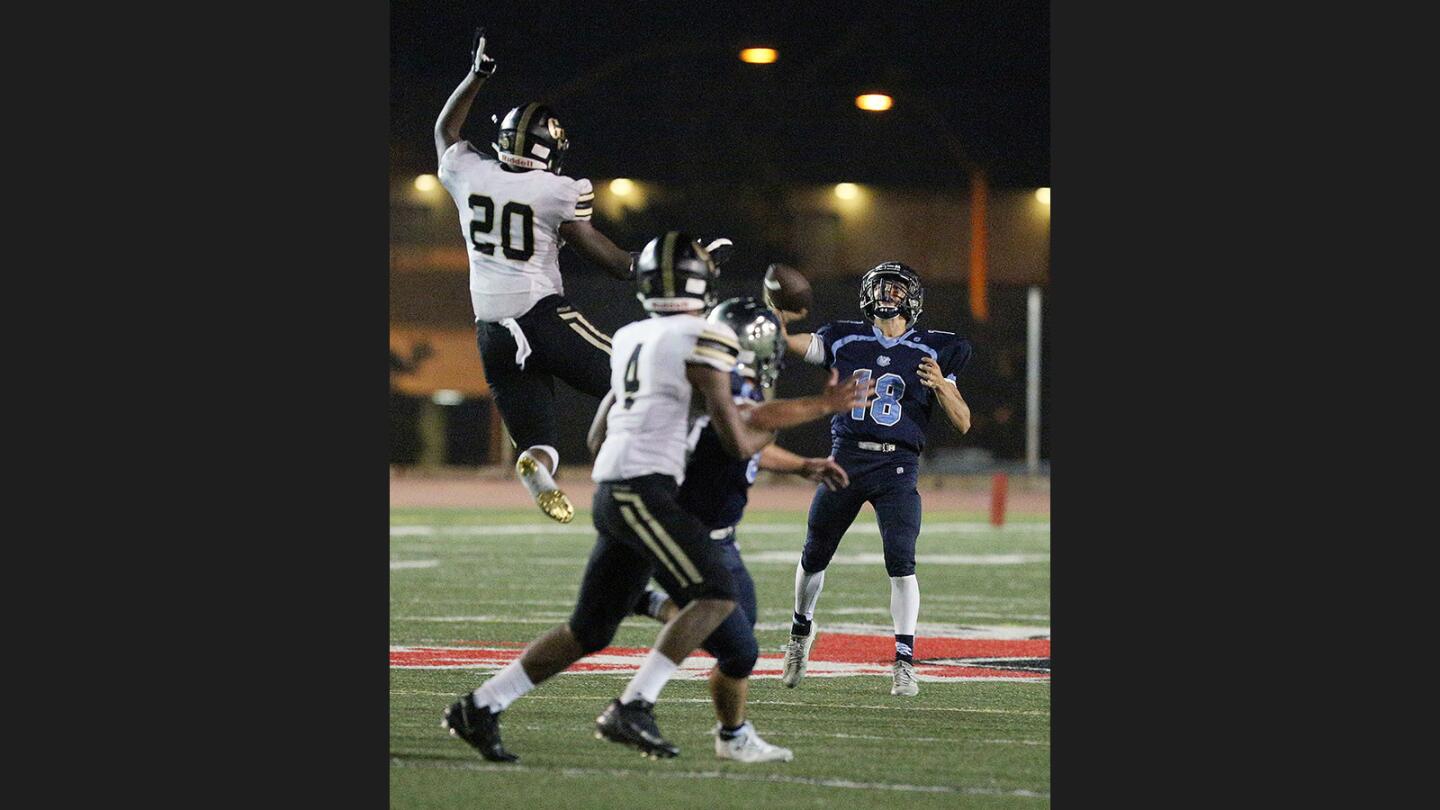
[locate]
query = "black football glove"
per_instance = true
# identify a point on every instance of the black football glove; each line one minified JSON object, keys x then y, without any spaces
{"x":479,"y":62}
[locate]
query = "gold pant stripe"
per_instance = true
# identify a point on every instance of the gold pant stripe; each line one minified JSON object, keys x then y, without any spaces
{"x":629,"y":515}
{"x":665,"y":539}
{"x":597,"y":344}
{"x":575,"y":316}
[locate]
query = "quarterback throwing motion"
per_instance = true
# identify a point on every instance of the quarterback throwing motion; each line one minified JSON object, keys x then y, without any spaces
{"x":879,"y":447}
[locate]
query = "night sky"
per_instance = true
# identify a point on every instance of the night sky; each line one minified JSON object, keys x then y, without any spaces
{"x":656,"y":91}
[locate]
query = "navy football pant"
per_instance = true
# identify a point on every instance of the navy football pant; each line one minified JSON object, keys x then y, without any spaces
{"x":733,"y":643}
{"x":888,"y":482}
{"x":642,"y":532}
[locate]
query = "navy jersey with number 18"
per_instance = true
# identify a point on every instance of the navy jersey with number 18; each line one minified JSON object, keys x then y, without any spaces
{"x":901,"y":409}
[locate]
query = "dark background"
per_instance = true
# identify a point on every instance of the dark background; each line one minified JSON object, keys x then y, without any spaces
{"x":654,"y":91}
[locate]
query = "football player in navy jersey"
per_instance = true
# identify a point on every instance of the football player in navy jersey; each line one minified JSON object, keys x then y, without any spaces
{"x":716,"y":490}
{"x":879,"y":447}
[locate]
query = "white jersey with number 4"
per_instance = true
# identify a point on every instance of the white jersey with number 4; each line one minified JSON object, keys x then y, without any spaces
{"x":646,"y":430}
{"x":511,"y":224}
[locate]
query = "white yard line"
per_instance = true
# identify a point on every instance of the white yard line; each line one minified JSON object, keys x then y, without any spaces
{"x":792,"y":557}
{"x":864,"y":558}
{"x":533,"y":619}
{"x":401,"y":565}
{"x":724,"y":775}
{"x":890,"y":708}
{"x":860,"y":527}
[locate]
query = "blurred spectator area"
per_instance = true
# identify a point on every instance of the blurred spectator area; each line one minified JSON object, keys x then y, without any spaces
{"x":440,"y":411}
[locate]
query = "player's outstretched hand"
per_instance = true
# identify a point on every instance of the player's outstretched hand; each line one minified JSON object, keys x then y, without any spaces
{"x":479,"y":62}
{"x":826,"y":471}
{"x":855,"y":392}
{"x":930,"y":373}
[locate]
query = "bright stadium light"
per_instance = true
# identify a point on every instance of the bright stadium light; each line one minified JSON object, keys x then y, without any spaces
{"x":426,"y":182}
{"x":759,"y":56}
{"x":847,"y":191}
{"x":874,"y":102}
{"x":1043,"y":195}
{"x":621,"y":187}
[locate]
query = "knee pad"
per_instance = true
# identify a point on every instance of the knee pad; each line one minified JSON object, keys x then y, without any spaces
{"x":900,"y":568}
{"x":738,"y":660}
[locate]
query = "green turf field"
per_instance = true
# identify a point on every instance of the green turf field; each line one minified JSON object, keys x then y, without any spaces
{"x":472,"y":578}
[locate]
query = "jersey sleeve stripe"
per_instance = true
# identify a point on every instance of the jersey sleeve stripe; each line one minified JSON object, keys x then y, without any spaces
{"x":724,"y":340}
{"x":716,"y":345}
{"x":714,"y":359}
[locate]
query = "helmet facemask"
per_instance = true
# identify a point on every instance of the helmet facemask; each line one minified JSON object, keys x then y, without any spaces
{"x":888,"y":291}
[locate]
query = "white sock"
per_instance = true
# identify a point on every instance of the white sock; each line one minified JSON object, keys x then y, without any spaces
{"x":504,"y":688}
{"x":554,"y":462}
{"x":657,"y":601}
{"x":807,"y":591}
{"x":905,"y":604}
{"x":651,"y":678}
{"x":541,"y":480}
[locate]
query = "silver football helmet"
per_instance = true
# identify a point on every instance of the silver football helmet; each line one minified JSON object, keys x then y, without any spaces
{"x":762,"y":344}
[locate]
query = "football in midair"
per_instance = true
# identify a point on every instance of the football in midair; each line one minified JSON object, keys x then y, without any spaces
{"x":787,"y":289}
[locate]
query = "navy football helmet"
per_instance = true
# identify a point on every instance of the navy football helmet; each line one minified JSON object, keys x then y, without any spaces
{"x":891,"y":289}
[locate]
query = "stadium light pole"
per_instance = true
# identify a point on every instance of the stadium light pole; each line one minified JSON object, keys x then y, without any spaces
{"x":1032,"y":381}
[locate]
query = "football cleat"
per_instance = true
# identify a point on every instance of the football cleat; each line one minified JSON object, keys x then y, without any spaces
{"x":905,"y":683}
{"x":541,"y":486}
{"x":633,"y":724}
{"x":797,"y":655}
{"x":478,"y":726}
{"x":746,"y":746}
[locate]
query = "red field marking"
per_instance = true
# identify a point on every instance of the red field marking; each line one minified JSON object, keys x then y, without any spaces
{"x":834,"y":655}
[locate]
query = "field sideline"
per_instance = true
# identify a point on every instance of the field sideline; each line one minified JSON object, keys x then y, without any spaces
{"x":470,"y":587}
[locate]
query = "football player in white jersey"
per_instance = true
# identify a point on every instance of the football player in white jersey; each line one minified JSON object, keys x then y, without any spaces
{"x":516,"y":211}
{"x":658,"y":366}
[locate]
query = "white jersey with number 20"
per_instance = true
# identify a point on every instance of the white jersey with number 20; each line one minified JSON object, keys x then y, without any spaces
{"x":511,"y":223}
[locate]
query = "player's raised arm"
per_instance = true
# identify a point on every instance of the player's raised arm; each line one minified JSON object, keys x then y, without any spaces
{"x":737,"y":437}
{"x":837,"y":397}
{"x":457,"y":108}
{"x":589,"y":242}
{"x":806,"y":345}
{"x":956,"y":410}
